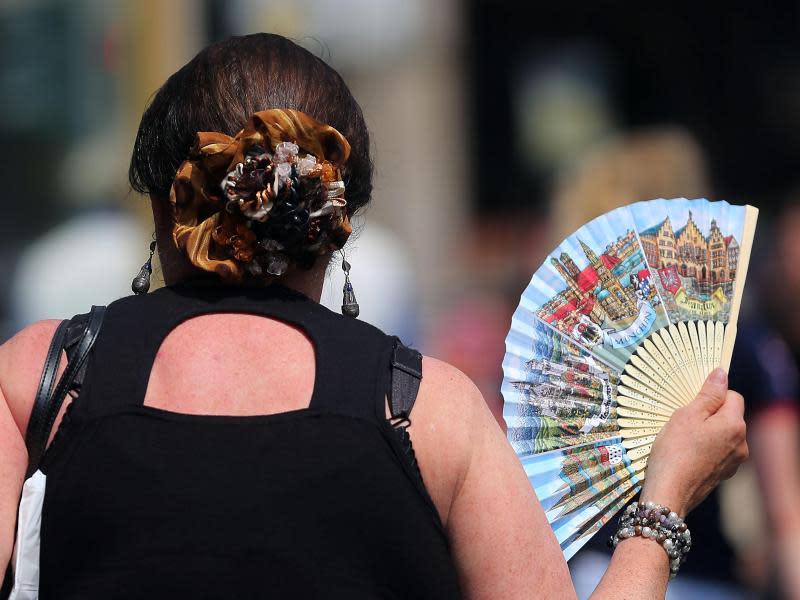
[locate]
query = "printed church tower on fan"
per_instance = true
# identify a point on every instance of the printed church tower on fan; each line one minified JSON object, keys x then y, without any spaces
{"x":596,"y":290}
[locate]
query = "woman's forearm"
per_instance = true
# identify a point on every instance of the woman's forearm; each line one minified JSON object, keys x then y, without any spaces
{"x":639,"y":570}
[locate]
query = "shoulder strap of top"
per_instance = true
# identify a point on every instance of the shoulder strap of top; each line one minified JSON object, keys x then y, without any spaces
{"x":75,"y":337}
{"x":406,"y":376}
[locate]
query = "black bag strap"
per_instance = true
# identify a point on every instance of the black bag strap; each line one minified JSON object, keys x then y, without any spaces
{"x":406,"y":377}
{"x":76,"y":337}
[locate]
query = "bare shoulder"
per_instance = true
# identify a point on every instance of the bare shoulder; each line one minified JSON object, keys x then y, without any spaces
{"x":21,"y":361}
{"x":446,"y":384}
{"x":448,"y":414}
{"x":450,"y":399}
{"x":29,"y":343}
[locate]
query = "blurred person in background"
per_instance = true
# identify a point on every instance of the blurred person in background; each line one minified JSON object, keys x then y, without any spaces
{"x":232,"y":438}
{"x":659,"y":162}
{"x":765,"y":365}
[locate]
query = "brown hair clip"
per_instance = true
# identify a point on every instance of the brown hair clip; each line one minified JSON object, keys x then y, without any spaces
{"x":267,"y":199}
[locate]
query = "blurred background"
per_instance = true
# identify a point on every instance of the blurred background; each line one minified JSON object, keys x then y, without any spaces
{"x":499,"y":127}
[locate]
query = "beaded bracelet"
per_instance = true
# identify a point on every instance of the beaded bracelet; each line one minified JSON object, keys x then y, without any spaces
{"x":658,"y":523}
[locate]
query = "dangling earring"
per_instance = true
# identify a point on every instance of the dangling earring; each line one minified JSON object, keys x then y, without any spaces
{"x":349,"y":304}
{"x":141,"y":283}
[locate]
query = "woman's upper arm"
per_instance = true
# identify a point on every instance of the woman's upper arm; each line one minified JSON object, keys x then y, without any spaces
{"x":21,"y":360}
{"x":501,"y":541}
{"x":13,"y":460}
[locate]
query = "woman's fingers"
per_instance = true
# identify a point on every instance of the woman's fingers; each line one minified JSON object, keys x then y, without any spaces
{"x":733,"y":406}
{"x":730,"y":417}
{"x":712,"y":395}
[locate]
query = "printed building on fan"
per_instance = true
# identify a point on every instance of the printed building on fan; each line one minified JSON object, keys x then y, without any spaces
{"x":708,"y":259}
{"x":596,"y":290}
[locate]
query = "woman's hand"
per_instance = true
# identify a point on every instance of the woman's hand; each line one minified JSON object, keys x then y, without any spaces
{"x":702,"y":445}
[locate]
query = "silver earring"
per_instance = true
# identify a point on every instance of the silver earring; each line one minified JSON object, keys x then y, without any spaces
{"x":141,"y":283}
{"x":349,"y":304}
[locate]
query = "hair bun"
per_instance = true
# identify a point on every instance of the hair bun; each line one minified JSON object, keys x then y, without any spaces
{"x":267,"y":199}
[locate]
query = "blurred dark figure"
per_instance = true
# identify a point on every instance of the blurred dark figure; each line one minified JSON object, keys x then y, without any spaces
{"x":764,"y":370}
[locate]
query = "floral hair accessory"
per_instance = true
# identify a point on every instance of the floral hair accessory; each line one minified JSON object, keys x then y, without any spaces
{"x":268,"y":198}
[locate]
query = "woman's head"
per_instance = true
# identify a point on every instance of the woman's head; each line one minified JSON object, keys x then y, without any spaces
{"x":222,"y":87}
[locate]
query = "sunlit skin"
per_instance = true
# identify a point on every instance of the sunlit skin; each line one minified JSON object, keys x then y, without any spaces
{"x":501,"y":542}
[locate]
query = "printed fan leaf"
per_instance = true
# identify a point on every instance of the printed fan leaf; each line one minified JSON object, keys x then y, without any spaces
{"x":617,"y":329}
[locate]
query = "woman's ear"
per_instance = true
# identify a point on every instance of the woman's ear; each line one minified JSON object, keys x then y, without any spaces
{"x":174,"y":266}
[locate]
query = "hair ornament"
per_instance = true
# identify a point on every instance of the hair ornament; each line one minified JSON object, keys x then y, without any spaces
{"x":267,"y":199}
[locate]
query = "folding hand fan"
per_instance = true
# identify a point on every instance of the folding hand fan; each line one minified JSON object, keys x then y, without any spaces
{"x":616,"y":330}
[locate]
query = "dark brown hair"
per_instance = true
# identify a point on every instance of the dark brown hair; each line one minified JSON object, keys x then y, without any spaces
{"x":221,"y":87}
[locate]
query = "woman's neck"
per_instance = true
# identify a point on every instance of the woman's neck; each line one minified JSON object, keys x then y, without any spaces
{"x":176,"y":269}
{"x":309,"y":283}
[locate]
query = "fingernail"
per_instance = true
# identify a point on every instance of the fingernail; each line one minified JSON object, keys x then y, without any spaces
{"x":719,"y":376}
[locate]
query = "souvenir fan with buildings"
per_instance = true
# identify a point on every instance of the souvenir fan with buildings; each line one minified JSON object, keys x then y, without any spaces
{"x":616,"y":330}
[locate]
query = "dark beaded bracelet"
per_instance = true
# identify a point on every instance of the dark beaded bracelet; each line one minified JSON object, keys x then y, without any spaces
{"x":655,"y":522}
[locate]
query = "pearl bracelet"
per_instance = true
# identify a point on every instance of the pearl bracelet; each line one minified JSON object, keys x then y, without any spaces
{"x":658,"y":523}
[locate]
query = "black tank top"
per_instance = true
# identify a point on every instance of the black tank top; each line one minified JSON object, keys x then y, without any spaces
{"x":320,"y":502}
